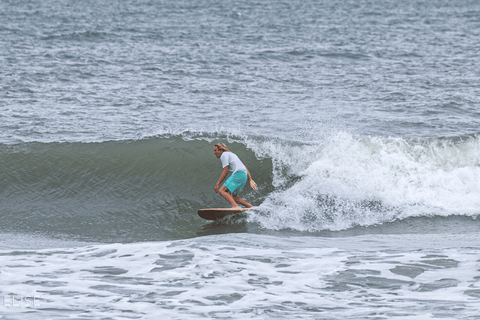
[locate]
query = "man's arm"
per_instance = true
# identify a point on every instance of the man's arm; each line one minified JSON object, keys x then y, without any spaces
{"x":222,"y":177}
{"x":250,"y":180}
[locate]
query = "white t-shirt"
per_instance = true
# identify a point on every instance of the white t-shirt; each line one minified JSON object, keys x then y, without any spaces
{"x":230,"y":159}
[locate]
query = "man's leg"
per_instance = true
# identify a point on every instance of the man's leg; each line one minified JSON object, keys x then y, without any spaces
{"x":242,"y":202}
{"x":226,"y":194}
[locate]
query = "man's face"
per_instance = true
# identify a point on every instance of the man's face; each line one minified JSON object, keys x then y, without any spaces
{"x":217,"y":152}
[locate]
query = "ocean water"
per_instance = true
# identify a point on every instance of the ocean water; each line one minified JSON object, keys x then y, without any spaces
{"x":359,"y":121}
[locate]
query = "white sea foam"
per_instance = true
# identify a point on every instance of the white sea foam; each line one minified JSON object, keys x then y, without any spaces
{"x":347,"y":181}
{"x":239,"y":276}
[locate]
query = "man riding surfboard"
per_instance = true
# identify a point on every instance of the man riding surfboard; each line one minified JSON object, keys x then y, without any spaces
{"x":235,"y":183}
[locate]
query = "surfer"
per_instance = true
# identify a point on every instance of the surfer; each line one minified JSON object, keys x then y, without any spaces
{"x":235,"y":183}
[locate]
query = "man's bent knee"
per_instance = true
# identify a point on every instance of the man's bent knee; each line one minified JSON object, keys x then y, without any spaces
{"x":224,"y":189}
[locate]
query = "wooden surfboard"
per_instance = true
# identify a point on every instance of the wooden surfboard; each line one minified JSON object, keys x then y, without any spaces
{"x":218,"y":213}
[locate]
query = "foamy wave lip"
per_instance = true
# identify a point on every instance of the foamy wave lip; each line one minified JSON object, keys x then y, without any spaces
{"x":367,"y":181}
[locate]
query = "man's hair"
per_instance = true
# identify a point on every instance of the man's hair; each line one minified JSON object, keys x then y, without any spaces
{"x":221,"y":146}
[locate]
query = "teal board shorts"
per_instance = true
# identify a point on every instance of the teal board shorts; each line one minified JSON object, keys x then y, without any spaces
{"x":236,"y":182}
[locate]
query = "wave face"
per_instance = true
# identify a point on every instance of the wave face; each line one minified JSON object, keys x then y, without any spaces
{"x":131,"y":190}
{"x":150,"y":189}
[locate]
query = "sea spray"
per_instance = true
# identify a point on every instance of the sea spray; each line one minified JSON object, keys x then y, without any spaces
{"x":366,"y":181}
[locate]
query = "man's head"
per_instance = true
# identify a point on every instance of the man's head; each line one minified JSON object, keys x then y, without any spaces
{"x":219,"y":149}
